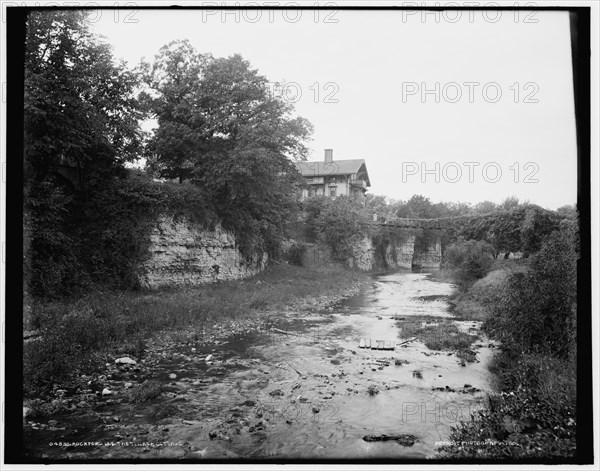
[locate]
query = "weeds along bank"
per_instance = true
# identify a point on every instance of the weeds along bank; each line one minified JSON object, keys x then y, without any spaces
{"x":78,"y":336}
{"x":89,"y":258}
{"x":531,"y":307}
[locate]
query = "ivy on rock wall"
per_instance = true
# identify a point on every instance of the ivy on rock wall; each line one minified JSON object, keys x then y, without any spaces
{"x":342,"y":224}
{"x":100,"y":241}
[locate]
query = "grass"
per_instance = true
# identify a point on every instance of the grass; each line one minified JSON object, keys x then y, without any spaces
{"x":148,"y":390}
{"x":474,"y":303}
{"x":443,"y":334}
{"x":75,"y":332}
{"x":165,"y":411}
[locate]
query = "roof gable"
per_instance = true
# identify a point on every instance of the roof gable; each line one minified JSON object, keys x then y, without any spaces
{"x":336,"y":167}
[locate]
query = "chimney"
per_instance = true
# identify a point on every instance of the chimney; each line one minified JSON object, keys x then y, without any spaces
{"x":329,"y":155}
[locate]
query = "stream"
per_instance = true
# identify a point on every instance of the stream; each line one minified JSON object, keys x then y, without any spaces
{"x":302,"y":389}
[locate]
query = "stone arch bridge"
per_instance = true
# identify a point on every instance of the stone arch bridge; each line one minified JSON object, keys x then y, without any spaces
{"x":406,"y":255}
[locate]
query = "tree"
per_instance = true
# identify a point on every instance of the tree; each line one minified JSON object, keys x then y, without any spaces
{"x":417,"y":207}
{"x":220,"y":129}
{"x":536,"y":226}
{"x":80,"y":107}
{"x":485,"y":207}
{"x":174,"y":80}
{"x":512,"y":202}
{"x":568,"y":211}
{"x":339,"y":223}
{"x":80,"y":114}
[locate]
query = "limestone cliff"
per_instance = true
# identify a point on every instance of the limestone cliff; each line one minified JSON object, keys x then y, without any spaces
{"x":182,"y":252}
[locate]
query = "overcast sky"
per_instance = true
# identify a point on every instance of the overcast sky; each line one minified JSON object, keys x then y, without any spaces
{"x":501,"y":122}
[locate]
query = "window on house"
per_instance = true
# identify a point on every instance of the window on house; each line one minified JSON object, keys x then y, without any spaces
{"x":332,"y":191}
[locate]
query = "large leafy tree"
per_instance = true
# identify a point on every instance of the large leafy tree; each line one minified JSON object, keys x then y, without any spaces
{"x":80,"y":127}
{"x":80,"y":107}
{"x":172,"y":96}
{"x":219,"y":128}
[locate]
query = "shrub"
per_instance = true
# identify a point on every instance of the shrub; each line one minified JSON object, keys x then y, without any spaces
{"x":296,"y":252}
{"x":471,"y":260}
{"x":536,"y":409}
{"x":535,"y":311}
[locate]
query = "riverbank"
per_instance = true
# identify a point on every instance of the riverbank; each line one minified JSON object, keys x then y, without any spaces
{"x":69,"y":338}
{"x":531,"y":413}
{"x":295,"y":385}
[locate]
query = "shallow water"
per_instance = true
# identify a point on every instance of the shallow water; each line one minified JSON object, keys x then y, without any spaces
{"x":300,"y":395}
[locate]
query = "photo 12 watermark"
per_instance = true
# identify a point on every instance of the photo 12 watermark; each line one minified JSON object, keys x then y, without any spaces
{"x":317,"y":92}
{"x":470,"y":172}
{"x":468,"y":12}
{"x":470,"y":92}
{"x":119,"y":12}
{"x":437,"y":411}
{"x":270,"y":12}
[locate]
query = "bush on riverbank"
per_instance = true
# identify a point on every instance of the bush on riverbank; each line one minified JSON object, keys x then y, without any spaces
{"x":533,"y":313}
{"x":532,"y":416}
{"x":76,"y":332}
{"x":536,"y":310}
{"x":476,"y":303}
{"x":470,"y":259}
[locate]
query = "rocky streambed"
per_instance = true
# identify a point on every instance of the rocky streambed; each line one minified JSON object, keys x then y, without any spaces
{"x":294,"y":386}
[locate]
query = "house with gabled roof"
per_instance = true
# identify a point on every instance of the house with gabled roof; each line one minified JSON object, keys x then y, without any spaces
{"x":334,"y":177}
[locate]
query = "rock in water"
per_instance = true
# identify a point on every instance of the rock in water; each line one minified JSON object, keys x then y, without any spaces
{"x":172,"y":376}
{"x":404,"y":439}
{"x":106,"y":392}
{"x":209,"y":358}
{"x":125,"y":361}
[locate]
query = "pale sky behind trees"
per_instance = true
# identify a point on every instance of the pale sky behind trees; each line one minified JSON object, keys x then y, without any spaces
{"x":361,"y":73}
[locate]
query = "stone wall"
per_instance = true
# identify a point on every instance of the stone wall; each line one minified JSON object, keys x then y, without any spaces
{"x":401,"y":256}
{"x":396,"y":256}
{"x":363,"y":254}
{"x":185,"y":253}
{"x":430,"y":258}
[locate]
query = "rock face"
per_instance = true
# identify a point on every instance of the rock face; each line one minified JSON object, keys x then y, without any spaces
{"x":430,"y":258}
{"x":401,"y":255}
{"x":186,"y":253}
{"x":363,"y":254}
